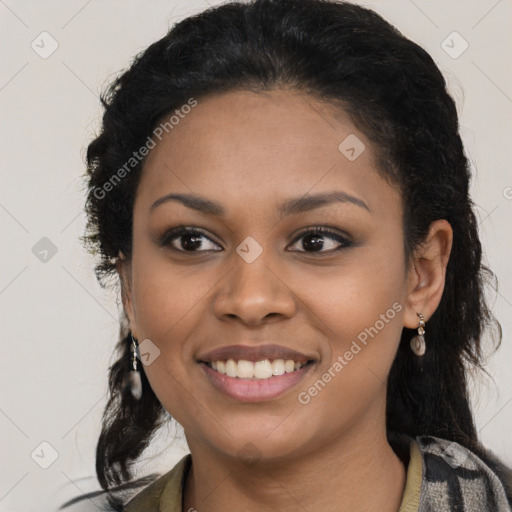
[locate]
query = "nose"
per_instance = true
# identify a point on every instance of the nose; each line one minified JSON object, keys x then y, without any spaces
{"x":254,"y":293}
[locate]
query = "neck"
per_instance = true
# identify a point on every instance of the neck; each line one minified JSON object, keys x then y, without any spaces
{"x":357,"y":471}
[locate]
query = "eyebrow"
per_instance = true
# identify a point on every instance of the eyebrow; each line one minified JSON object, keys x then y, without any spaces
{"x":289,"y":207}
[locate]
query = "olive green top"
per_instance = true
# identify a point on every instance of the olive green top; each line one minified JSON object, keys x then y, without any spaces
{"x":166,"y":493}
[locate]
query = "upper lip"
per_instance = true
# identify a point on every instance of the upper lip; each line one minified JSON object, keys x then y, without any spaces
{"x":254,"y":353}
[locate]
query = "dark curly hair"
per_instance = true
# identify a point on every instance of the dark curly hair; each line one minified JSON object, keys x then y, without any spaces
{"x":347,"y":55}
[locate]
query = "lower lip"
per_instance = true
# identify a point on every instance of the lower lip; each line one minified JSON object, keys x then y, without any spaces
{"x":255,"y":390}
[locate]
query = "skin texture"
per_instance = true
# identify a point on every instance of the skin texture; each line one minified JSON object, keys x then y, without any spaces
{"x":251,"y":152}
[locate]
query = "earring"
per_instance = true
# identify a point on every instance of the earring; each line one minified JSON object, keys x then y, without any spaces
{"x":418,"y":345}
{"x":134,"y":380}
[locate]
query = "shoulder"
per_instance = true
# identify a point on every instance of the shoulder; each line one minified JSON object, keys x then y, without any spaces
{"x":455,"y":478}
{"x":167,"y":487}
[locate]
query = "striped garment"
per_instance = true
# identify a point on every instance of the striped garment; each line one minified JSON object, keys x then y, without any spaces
{"x":456,"y":480}
{"x":442,"y":476}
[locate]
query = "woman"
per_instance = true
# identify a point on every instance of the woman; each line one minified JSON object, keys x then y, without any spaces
{"x":282,"y":190}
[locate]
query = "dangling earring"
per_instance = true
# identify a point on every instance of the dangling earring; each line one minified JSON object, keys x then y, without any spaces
{"x":134,"y":380}
{"x":418,"y":345}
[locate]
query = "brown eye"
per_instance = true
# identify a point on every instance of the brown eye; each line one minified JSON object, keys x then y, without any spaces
{"x":322,"y":239}
{"x":188,"y":240}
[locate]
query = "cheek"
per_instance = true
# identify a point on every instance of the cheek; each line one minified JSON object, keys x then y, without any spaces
{"x":169,"y":304}
{"x":352,"y":297}
{"x":169,"y":308}
{"x":167,"y":296}
{"x":359,"y":309}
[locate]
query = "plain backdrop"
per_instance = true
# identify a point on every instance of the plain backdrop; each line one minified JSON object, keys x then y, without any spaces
{"x":58,"y":327}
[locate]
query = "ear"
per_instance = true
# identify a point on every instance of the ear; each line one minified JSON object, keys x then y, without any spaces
{"x":123,"y":267}
{"x":427,"y":272}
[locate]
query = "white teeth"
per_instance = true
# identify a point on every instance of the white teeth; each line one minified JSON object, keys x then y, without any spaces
{"x":265,"y":369}
{"x":231,"y":368}
{"x":289,"y":366}
{"x":245,"y":369}
{"x":278,"y":367}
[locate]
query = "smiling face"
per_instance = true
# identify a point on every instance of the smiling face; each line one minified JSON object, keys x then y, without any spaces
{"x":257,"y":271}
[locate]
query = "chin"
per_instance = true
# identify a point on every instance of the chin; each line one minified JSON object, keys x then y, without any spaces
{"x":263,"y":442}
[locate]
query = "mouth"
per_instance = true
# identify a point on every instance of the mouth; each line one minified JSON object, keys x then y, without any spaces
{"x":259,"y":370}
{"x":255,"y":374}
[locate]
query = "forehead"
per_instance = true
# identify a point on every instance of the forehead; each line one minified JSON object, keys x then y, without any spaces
{"x":263,"y":146}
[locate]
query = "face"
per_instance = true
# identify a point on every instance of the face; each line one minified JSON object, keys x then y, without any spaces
{"x":258,"y":270}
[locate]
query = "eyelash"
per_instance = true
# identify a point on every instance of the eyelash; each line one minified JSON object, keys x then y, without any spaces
{"x":176,"y":233}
